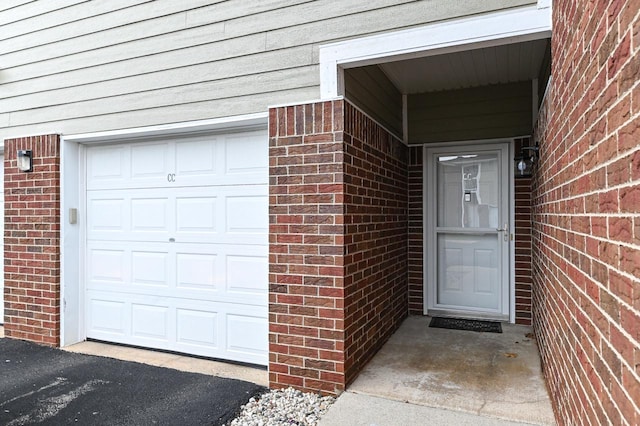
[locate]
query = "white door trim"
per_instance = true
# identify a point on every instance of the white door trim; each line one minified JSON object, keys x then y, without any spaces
{"x":72,"y":190}
{"x":490,"y":29}
{"x":428,"y":241}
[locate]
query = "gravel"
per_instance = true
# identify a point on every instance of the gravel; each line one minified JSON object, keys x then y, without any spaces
{"x":283,"y":407}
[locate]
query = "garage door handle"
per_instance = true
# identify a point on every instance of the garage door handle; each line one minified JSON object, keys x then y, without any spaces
{"x":172,"y":240}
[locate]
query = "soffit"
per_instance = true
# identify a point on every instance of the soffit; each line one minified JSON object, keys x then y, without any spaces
{"x":470,"y":68}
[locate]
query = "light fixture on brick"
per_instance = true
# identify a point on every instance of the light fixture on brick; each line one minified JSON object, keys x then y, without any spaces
{"x":526,"y":160}
{"x":25,"y":160}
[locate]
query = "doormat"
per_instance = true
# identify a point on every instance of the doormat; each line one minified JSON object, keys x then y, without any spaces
{"x":466,"y":324}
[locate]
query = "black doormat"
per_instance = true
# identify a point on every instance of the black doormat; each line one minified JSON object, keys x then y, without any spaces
{"x":466,"y":324}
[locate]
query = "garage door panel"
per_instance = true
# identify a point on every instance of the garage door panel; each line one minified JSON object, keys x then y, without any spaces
{"x":199,"y":271}
{"x":241,"y":334}
{"x":198,"y":158}
{"x":218,"y":160}
{"x":107,"y":265}
{"x":150,"y":215}
{"x":106,"y":166}
{"x":197,"y":215}
{"x":245,"y":274}
{"x":245,"y":157}
{"x":219,"y":330}
{"x":107,"y":215}
{"x":129,"y":215}
{"x":150,"y":268}
{"x":212,"y":272}
{"x":246,"y":334}
{"x":149,"y":163}
{"x":197,"y":328}
{"x":247,"y":214}
{"x":177,"y":245}
{"x":150,"y":322}
{"x":185,"y":215}
{"x":107,"y":317}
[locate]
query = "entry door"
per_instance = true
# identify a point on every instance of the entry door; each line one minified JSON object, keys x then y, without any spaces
{"x":468,"y":231}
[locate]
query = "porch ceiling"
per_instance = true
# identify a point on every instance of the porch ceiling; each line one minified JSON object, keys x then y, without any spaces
{"x":471,"y":68}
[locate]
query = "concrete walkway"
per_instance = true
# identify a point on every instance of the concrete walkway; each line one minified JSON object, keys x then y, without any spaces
{"x":448,"y":377}
{"x":363,"y":410}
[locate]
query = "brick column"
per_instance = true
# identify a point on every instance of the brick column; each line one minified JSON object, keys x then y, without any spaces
{"x":32,"y":241}
{"x":523,"y":250}
{"x":306,"y":232}
{"x":338,"y":243}
{"x":416,"y":231}
{"x":522,"y":234}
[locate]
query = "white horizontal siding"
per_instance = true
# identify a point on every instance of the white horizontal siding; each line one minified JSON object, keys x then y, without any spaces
{"x":275,"y":81}
{"x":77,"y":66}
{"x":56,"y":90}
{"x":30,"y":10}
{"x":237,"y":105}
{"x":10,"y":4}
{"x":55,"y":25}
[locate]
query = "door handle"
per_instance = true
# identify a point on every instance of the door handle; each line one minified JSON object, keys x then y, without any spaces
{"x":504,"y":229}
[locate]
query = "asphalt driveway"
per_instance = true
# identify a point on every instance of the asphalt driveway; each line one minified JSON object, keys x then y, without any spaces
{"x":46,"y":386}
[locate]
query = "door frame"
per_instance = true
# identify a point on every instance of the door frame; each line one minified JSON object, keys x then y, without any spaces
{"x":72,"y":190}
{"x":429,"y":269}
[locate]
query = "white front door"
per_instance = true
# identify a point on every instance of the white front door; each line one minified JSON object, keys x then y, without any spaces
{"x":467,"y":208}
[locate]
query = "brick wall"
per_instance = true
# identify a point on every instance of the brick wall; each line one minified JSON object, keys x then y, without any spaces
{"x":32,"y":241}
{"x":523,"y":280}
{"x":334,"y":295}
{"x":375,"y":219}
{"x":416,"y":232}
{"x":306,"y":247}
{"x":586,"y":232}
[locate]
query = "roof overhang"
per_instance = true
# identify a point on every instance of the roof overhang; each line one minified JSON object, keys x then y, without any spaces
{"x":404,"y":52}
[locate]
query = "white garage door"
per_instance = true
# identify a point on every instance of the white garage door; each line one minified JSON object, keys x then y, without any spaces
{"x":177,"y":245}
{"x":2,"y":238}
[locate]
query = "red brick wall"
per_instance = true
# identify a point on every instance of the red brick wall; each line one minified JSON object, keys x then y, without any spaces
{"x":32,"y":241}
{"x":522,"y":235}
{"x":306,"y":247}
{"x":375,"y":219}
{"x":416,"y":232}
{"x":523,"y":280}
{"x":586,"y":233}
{"x":334,"y":295}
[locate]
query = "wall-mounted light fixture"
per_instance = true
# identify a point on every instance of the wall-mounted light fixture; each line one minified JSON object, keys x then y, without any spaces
{"x":25,"y":160}
{"x":524,"y":163}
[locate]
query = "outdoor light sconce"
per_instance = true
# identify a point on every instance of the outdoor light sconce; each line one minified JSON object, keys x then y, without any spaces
{"x":25,"y":160}
{"x":526,"y":160}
